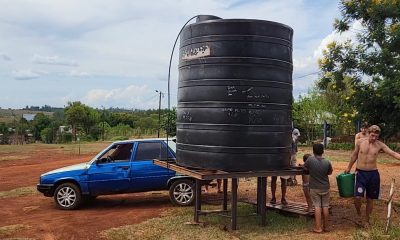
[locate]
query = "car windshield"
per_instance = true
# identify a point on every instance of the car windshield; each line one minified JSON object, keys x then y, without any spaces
{"x":172,"y":145}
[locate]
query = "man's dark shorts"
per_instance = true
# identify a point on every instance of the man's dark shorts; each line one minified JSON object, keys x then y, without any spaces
{"x":367,"y":184}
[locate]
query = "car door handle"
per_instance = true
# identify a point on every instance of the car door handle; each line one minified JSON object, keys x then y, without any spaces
{"x":124,"y":167}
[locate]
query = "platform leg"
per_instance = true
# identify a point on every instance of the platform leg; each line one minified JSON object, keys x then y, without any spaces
{"x":225,"y":190}
{"x":263,"y":199}
{"x":234,"y":203}
{"x":258,"y":195}
{"x":197,"y":205}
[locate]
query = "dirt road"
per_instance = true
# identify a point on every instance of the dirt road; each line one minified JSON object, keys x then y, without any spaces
{"x":35,"y":216}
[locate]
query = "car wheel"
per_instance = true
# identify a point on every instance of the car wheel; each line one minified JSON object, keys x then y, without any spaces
{"x":181,"y":192}
{"x":67,"y":196}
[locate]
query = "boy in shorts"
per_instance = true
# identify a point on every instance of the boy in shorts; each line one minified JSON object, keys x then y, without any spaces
{"x":367,"y":176}
{"x":319,"y":169}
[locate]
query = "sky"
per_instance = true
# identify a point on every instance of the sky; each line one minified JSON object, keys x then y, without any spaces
{"x":116,"y":53}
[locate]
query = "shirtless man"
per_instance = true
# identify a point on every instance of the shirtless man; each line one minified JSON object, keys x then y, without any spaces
{"x":363,"y":132}
{"x":367,"y":175}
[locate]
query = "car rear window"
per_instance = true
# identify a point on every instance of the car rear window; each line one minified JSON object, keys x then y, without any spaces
{"x":150,"y":150}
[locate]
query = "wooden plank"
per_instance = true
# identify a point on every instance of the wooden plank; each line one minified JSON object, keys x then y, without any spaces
{"x":210,"y":175}
{"x":205,"y":212}
{"x":297,"y":208}
{"x":291,"y":207}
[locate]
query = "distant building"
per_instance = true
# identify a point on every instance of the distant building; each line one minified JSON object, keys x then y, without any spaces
{"x":67,"y":129}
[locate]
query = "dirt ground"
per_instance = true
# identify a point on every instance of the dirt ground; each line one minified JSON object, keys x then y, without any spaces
{"x":39,"y":219}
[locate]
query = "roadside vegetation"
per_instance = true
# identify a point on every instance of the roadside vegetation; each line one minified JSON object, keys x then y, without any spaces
{"x":80,"y":123}
{"x":21,"y":152}
{"x":23,"y":191}
{"x":8,"y":231}
{"x":377,"y":231}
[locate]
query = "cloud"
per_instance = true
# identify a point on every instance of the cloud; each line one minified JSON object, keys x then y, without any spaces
{"x":75,"y":73}
{"x":5,"y":57}
{"x":130,"y":97}
{"x":25,"y":74}
{"x":53,"y":60}
{"x":306,"y":68}
{"x":129,"y":42}
{"x":303,"y":63}
{"x":351,"y":34}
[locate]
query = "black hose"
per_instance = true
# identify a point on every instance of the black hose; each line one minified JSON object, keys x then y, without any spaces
{"x":169,"y":77}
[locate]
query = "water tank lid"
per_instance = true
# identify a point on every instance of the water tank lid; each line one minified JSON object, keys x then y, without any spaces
{"x":202,"y":18}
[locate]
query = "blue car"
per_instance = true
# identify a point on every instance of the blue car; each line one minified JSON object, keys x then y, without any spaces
{"x":122,"y":167}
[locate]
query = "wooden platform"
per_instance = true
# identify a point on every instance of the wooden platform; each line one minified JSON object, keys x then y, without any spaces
{"x":292,"y":207}
{"x":201,"y":175}
{"x":297,"y":208}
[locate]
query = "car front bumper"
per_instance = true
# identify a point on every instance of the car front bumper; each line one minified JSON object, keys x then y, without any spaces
{"x":46,"y":189}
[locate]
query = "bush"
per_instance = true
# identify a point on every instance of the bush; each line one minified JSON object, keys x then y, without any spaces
{"x":86,"y":138}
{"x":343,"y":139}
{"x":65,"y":137}
{"x":341,"y":146}
{"x":119,"y":138}
{"x":350,"y":146}
{"x":119,"y":131}
{"x":394,"y":146}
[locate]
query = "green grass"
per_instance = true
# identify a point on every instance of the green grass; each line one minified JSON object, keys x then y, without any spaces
{"x":17,"y":192}
{"x":12,"y":157}
{"x":73,"y":148}
{"x":7,"y":231}
{"x":376,"y":231}
{"x":173,"y":226}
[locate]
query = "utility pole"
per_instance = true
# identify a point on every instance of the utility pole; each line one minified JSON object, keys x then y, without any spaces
{"x":102,"y":116}
{"x":159,"y":112}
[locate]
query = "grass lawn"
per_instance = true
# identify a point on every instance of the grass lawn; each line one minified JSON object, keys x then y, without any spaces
{"x":174,"y":226}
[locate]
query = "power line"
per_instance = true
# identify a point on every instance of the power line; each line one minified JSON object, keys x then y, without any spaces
{"x":150,"y":98}
{"x":309,"y":74}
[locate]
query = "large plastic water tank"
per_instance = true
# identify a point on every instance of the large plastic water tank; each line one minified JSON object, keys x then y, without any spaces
{"x":235,"y":95}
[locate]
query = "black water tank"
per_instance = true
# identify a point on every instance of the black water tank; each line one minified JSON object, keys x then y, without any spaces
{"x":235,"y":95}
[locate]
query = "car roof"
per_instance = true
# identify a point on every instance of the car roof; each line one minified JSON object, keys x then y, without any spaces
{"x":144,"y":140}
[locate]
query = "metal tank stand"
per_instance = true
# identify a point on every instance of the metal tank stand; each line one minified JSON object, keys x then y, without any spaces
{"x":204,"y":175}
{"x":261,"y":204}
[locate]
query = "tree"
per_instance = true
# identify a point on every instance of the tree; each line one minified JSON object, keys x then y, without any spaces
{"x":3,"y":128}
{"x":369,"y":67}
{"x":47,"y":135}
{"x":21,"y":129}
{"x":4,"y":133}
{"x":125,"y":118}
{"x":81,"y":116}
{"x":40,"y":122}
{"x":168,"y":122}
{"x":147,"y":123}
{"x":309,"y":113}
